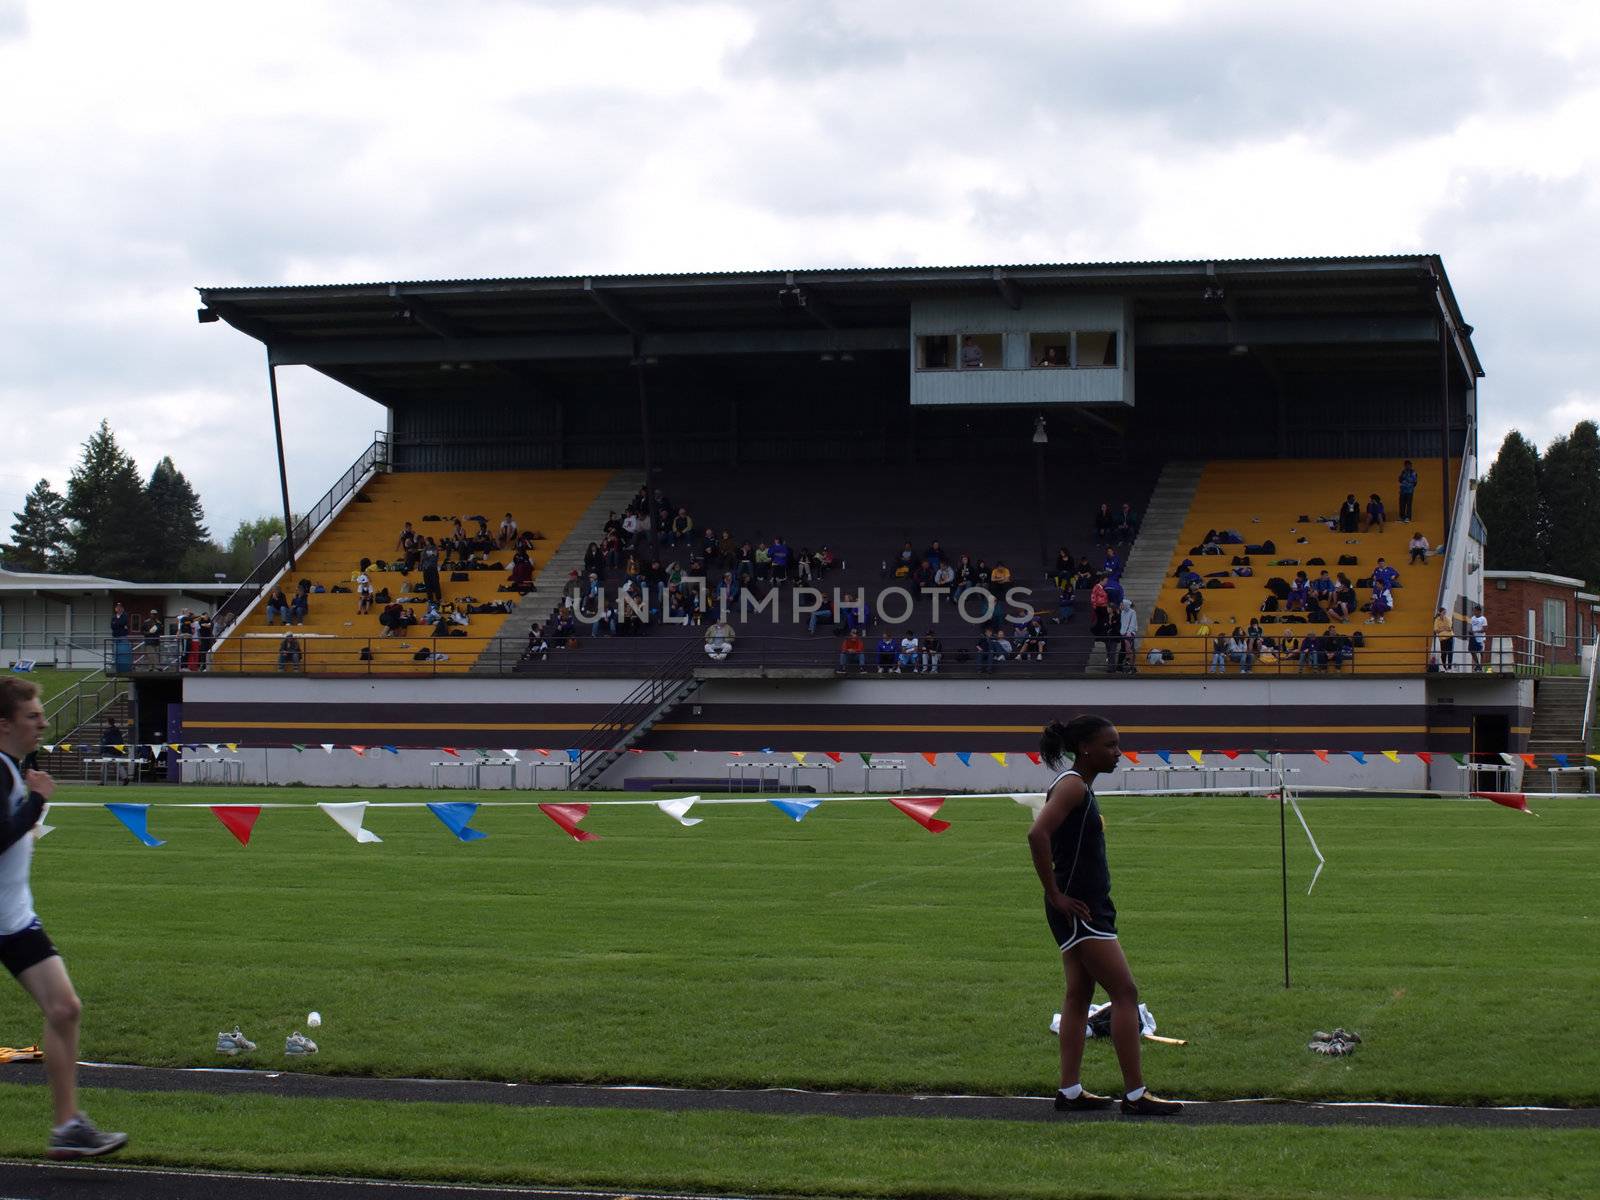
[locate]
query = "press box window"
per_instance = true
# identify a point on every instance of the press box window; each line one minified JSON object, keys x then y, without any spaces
{"x":979,"y":351}
{"x":936,"y":352}
{"x":1097,"y":349}
{"x":1050,"y":349}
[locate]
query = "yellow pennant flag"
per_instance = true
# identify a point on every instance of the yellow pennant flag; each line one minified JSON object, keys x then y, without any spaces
{"x":1391,"y":755}
{"x":232,"y":746}
{"x":1593,"y":757}
{"x":799,"y":755}
{"x":120,"y":747}
{"x":999,"y":756}
{"x":65,"y":746}
{"x":1199,"y":757}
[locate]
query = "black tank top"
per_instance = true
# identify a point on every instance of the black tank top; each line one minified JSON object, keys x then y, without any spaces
{"x":1078,"y":851}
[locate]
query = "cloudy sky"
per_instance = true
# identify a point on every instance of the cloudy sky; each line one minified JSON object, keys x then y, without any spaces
{"x":150,"y":148}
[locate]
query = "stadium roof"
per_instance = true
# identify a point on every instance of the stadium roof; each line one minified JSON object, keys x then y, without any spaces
{"x":388,"y":339}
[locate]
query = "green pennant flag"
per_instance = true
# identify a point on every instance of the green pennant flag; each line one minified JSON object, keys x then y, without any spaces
{"x":1262,"y":755}
{"x":672,"y":755}
{"x":1461,"y":759}
{"x":298,"y":748}
{"x":866,"y":758}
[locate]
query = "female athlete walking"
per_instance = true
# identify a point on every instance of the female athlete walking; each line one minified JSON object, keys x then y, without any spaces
{"x":1068,"y":842}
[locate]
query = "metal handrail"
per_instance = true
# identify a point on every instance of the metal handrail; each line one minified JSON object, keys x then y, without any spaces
{"x":602,"y":736}
{"x":269,"y":568}
{"x":1460,"y":521}
{"x":1588,"y":691}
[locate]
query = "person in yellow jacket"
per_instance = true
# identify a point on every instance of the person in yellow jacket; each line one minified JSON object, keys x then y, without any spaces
{"x":1444,"y":631}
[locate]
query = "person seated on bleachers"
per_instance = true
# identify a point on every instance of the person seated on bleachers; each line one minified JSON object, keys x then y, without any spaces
{"x":852,"y":651}
{"x":538,"y":647}
{"x":805,"y":567}
{"x":508,"y":530}
{"x":763,"y":561}
{"x":1127,"y":527}
{"x":410,"y":544}
{"x":746,"y":559}
{"x":1312,"y":656}
{"x":1032,"y":636}
{"x":604,"y":616}
{"x":277,"y":606}
{"x":1388,"y":576}
{"x":909,"y":659}
{"x":1105,"y":524}
{"x":630,"y":528}
{"x":1299,"y":593}
{"x":1239,"y":650}
{"x":1194,"y":599}
{"x":981,"y":573}
{"x":1322,"y":589}
{"x":945,"y":576}
{"x":363,"y":593}
{"x":1350,"y":515}
{"x":289,"y":653}
{"x":1113,"y":563}
{"x":1344,"y":599}
{"x":301,"y":604}
{"x":826,"y":560}
{"x":1065,"y":569}
{"x":681,"y":529}
{"x":780,"y":556}
{"x":966,"y":576}
{"x":999,"y":581}
{"x":1375,"y":513}
{"x":888,"y":649}
{"x":904,"y":560}
{"x":1001,"y":647}
{"x":1419,"y":549}
{"x":934,"y":555}
{"x":521,"y":577}
{"x":1380,"y":606}
{"x":1218,"y":661}
{"x":932,"y":651}
{"x":727,"y":549}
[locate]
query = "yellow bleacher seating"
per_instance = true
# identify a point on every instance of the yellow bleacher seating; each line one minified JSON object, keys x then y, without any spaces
{"x":550,"y":502}
{"x":1263,"y":500}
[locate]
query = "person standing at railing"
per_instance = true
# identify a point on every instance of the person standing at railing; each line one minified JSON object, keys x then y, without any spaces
{"x":1477,"y":635}
{"x":1408,"y":490}
{"x":121,"y":648}
{"x":1444,"y":631}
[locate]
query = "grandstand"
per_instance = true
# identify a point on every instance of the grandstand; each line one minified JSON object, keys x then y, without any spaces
{"x":990,"y":408}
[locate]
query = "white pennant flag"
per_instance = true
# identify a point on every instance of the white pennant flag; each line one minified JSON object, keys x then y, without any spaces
{"x":40,"y":828}
{"x":348,"y":817}
{"x":1033,"y":801}
{"x":678,"y":810}
{"x":214,"y":747}
{"x":511,"y":754}
{"x":48,"y":749}
{"x":328,"y":746}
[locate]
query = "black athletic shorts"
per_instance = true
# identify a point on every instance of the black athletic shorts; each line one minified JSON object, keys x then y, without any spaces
{"x":1069,"y":931}
{"x":28,"y":947}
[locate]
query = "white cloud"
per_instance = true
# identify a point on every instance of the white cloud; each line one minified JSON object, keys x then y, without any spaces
{"x":153,"y":148}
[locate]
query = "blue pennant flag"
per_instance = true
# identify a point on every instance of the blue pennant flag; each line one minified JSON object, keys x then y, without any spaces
{"x":1359,"y":756}
{"x":965,"y":756}
{"x":457,"y":815}
{"x":1165,"y":756}
{"x":573,"y":755}
{"x":137,"y":818}
{"x":795,"y":809}
{"x":392,"y":749}
{"x":1561,"y":760}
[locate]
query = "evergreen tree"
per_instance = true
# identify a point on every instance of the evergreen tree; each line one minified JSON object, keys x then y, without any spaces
{"x":39,"y":533}
{"x":1569,"y":487}
{"x":1509,"y":503}
{"x":108,"y":511}
{"x":247,"y":546}
{"x":177,"y":523}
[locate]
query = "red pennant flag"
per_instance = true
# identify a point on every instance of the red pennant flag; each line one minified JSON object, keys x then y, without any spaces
{"x":1035,"y":759}
{"x":1322,"y":754}
{"x":835,"y":755}
{"x":1230,"y":755}
{"x":541,"y":753}
{"x":239,"y":819}
{"x":567,"y":816}
{"x":1530,"y":760}
{"x":1426,"y":756}
{"x":450,"y":750}
{"x":921,"y":811}
{"x":1514,"y":800}
{"x":736,"y":753}
{"x":634,"y":750}
{"x":361,"y":751}
{"x":1131,"y":755}
{"x":932,"y":757}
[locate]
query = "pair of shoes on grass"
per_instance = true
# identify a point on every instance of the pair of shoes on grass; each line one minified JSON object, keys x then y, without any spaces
{"x":1147,"y":1105}
{"x":236,"y":1043}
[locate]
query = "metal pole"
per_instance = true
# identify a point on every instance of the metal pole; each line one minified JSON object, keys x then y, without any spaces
{"x":1283,"y":856}
{"x":644,"y":422}
{"x":283,"y":471}
{"x":1444,"y":425}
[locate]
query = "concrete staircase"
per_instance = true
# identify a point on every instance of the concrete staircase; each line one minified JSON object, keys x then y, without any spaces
{"x":533,"y":608}
{"x":1159,"y":528}
{"x":1558,"y":729}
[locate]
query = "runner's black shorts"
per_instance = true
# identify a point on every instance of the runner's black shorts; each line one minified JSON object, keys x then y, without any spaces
{"x":1069,"y":931}
{"x":28,"y":947}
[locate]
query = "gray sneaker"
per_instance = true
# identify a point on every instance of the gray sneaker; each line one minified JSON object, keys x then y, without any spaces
{"x":234,"y":1043}
{"x":80,"y":1139}
{"x":298,"y":1043}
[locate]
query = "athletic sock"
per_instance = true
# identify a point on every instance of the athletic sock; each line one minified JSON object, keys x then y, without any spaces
{"x":1073,"y":1092}
{"x":1136,"y":1093}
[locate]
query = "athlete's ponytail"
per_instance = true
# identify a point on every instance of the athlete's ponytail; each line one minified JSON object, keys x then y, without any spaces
{"x":1059,"y":741}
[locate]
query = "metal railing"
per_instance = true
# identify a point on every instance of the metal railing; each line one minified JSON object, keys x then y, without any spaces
{"x":1588,"y":691}
{"x":663,"y":682}
{"x":83,"y":704}
{"x":1364,"y":650}
{"x":374,"y":458}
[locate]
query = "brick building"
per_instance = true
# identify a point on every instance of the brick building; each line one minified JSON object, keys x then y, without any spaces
{"x":1552,"y":614}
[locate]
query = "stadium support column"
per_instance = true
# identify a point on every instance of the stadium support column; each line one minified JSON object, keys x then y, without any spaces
{"x":644,"y":409}
{"x":283,"y":470}
{"x":1444,"y":428}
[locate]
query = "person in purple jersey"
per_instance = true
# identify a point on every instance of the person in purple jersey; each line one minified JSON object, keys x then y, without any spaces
{"x":1068,"y":844}
{"x":25,"y":948}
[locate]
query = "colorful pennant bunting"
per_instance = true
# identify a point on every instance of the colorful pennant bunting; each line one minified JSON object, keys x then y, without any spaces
{"x":567,"y":816}
{"x":137,"y":819}
{"x":999,"y":756}
{"x":1037,"y":759}
{"x":922,"y":810}
{"x":1199,"y":757}
{"x":866,"y":757}
{"x":1392,"y":755}
{"x":349,"y":816}
{"x":795,"y":810}
{"x":1165,"y":756}
{"x":932,"y":757}
{"x":834,"y":755}
{"x":1514,"y":800}
{"x":456,"y":816}
{"x":678,"y":810}
{"x":238,"y":819}
{"x":965,"y":756}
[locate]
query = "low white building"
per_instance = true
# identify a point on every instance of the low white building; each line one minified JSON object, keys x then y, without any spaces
{"x":64,"y":620}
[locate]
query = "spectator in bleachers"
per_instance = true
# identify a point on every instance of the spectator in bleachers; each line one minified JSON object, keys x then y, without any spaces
{"x":888,"y":650}
{"x":719,"y":640}
{"x":1408,"y":490}
{"x":779,"y":554}
{"x":1128,"y":626}
{"x":605,"y":616}
{"x":299,"y":607}
{"x":1113,"y":563}
{"x":1388,"y":576}
{"x":1322,"y":589}
{"x":363,"y":593}
{"x":1065,"y":569}
{"x":1194,"y":600}
{"x":1032,"y":637}
{"x":909,"y":659}
{"x":971,"y":352}
{"x":289,"y":653}
{"x":1350,"y":515}
{"x":1114,"y":595}
{"x":407,"y":544}
{"x":1477,"y":635}
{"x":805,"y":566}
{"x":521,"y":577}
{"x":1344,"y":599}
{"x":1380,"y":605}
{"x":429,"y":562}
{"x":1375,"y":513}
{"x":1105,"y":524}
{"x":945,"y":576}
{"x":852,"y":651}
{"x":1099,"y":604}
{"x":682,"y":527}
{"x":508,"y":530}
{"x":763,"y":561}
{"x":1239,"y":651}
{"x":630,"y":529}
{"x":727,"y":549}
{"x":1299,"y":593}
{"x":538,"y":647}
{"x":1127,"y":524}
{"x":966,"y":576}
{"x":932,"y":651}
{"x":1444,"y":634}
{"x":1219,"y":655}
{"x":277,"y":606}
{"x":999,"y":581}
{"x":1311,"y":654}
{"x":828,"y":613}
{"x":1419,"y":549}
{"x":1001,"y":647}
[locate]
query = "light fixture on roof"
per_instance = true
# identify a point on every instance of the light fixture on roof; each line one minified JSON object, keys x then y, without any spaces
{"x":1040,"y":437}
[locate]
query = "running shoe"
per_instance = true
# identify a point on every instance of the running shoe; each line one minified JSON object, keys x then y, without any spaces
{"x":1083,"y":1102}
{"x":80,"y":1139}
{"x":298,"y":1043}
{"x":1150,"y":1105}
{"x":234,"y":1043}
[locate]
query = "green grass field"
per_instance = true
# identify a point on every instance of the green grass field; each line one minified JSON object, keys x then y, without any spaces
{"x":853,"y":950}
